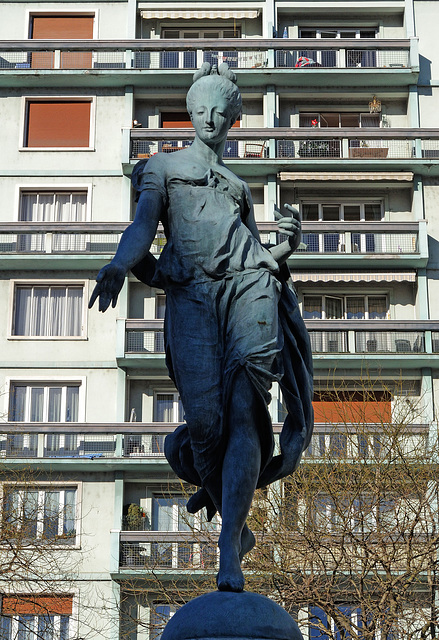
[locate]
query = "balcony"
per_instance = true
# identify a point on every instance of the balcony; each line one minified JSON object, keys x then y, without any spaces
{"x":170,"y":62}
{"x":257,"y":152}
{"x":76,"y":244}
{"x":164,"y":551}
{"x":350,"y":343}
{"x":66,"y":244}
{"x":76,"y":445}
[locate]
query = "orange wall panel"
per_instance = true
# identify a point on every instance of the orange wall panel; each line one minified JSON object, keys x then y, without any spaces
{"x":37,"y":605}
{"x":355,"y":411}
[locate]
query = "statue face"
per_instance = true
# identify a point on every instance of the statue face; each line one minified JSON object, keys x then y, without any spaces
{"x":210,"y":117}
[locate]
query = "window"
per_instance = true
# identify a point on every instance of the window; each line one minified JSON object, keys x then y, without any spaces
{"x":40,"y":402}
{"x":29,"y":617}
{"x":188,"y":59}
{"x":40,"y":513}
{"x":342,"y":211}
{"x":52,"y":206}
{"x":168,"y":407}
{"x":160,"y":616}
{"x":170,"y":514}
{"x":342,"y":119}
{"x":61,"y":27}
{"x":48,"y":310}
{"x":365,"y":307}
{"x":57,"y":123}
{"x":328,"y":58}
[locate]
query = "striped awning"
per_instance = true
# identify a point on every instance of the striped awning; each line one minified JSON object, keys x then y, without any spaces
{"x":200,"y":14}
{"x":353,"y":276}
{"x":347,"y":176}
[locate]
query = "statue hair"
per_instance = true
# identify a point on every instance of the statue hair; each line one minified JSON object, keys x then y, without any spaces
{"x":208,"y":77}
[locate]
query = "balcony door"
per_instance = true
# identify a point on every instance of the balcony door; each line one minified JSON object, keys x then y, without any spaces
{"x":188,"y":59}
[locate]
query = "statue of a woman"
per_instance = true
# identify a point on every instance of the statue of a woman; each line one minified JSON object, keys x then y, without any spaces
{"x":232,"y":324}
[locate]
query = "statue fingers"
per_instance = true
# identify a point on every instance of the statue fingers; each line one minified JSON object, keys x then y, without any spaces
{"x":96,"y":293}
{"x":104,"y":301}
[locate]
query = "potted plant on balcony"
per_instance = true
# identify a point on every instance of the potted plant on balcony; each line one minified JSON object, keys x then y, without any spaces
{"x":135,"y":518}
{"x":365,"y":151}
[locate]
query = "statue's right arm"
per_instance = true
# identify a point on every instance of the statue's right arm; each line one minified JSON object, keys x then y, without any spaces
{"x":133,"y":247}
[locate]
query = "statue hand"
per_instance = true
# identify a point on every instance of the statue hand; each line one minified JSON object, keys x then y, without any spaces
{"x":110,"y":281}
{"x":291,"y":226}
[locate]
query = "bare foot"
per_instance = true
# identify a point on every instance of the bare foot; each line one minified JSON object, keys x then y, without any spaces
{"x":230,"y":576}
{"x":247,"y":542}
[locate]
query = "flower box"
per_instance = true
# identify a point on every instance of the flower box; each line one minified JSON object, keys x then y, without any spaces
{"x":368,"y":152}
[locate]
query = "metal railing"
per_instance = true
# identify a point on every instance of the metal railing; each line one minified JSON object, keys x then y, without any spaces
{"x":60,"y":237}
{"x":389,"y":238}
{"x":168,"y":550}
{"x":301,"y":143}
{"x":83,"y":441}
{"x":339,"y":336}
{"x":340,"y":441}
{"x":239,"y":53}
{"x":363,"y":238}
{"x":129,"y":441}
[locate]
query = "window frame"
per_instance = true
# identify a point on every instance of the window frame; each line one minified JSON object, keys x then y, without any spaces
{"x":30,"y":13}
{"x":47,"y":283}
{"x":24,"y":121}
{"x":53,"y":187}
{"x":42,"y":488}
{"x":343,"y":297}
{"x":342,"y":203}
{"x":176,"y":400}
{"x":81,"y":381}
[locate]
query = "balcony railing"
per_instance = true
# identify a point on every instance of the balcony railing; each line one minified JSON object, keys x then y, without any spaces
{"x":302,"y":143}
{"x":386,"y":238}
{"x":391,"y":54}
{"x":60,"y":237}
{"x":83,"y":441}
{"x":331,"y":441}
{"x":380,"y":337}
{"x":132,"y":441}
{"x":168,"y":550}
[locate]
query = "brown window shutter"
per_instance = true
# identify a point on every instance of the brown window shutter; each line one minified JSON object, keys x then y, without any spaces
{"x":176,"y":120}
{"x":58,"y":124}
{"x":180,"y":120}
{"x":33,"y":605}
{"x":62,"y":27}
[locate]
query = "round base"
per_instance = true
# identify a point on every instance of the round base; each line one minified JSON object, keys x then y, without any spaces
{"x":224,"y":615}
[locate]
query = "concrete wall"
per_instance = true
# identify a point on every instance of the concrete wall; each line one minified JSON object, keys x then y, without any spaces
{"x":110,"y":20}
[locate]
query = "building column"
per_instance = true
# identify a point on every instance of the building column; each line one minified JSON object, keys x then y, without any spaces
{"x":268,"y":19}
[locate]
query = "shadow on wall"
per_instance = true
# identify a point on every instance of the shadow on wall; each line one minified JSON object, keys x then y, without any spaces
{"x":424,"y":73}
{"x":433,"y":262}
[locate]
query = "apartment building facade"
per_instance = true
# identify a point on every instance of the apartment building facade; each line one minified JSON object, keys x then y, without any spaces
{"x":338,"y":119}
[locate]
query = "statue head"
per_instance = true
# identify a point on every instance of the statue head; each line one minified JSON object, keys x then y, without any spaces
{"x":221,"y":82}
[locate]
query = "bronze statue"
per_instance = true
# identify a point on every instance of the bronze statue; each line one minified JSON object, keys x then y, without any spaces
{"x":232,"y":324}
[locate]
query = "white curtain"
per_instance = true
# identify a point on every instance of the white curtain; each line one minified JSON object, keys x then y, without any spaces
{"x":74,"y":311}
{"x":69,"y":511}
{"x":54,"y":410}
{"x":40,"y":320}
{"x":37,"y":404}
{"x":23,"y":305}
{"x":164,"y":407}
{"x":40,"y":311}
{"x":53,"y":207}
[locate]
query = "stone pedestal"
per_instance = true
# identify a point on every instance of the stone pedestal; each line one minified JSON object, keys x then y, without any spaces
{"x":222,"y":615}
